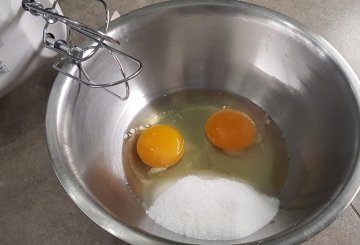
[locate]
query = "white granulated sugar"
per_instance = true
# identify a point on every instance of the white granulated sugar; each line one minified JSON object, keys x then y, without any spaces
{"x":212,"y":209}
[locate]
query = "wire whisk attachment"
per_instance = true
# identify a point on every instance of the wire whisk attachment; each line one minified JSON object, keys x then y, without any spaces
{"x":72,"y":54}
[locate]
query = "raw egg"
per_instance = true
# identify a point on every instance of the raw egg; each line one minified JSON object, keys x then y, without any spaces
{"x":160,"y":146}
{"x":263,"y":164}
{"x":230,"y":130}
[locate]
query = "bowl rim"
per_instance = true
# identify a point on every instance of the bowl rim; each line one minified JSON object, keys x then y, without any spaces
{"x":302,"y":232}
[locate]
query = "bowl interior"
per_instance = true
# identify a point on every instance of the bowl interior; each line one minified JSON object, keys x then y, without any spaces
{"x":228,"y":46}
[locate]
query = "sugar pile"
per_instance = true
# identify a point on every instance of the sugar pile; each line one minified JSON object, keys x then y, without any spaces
{"x":212,"y":209}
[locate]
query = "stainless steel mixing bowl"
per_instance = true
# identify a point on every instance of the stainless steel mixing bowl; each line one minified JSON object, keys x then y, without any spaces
{"x":299,"y":79}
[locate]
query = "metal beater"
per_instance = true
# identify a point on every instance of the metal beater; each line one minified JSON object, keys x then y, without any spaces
{"x":72,"y":54}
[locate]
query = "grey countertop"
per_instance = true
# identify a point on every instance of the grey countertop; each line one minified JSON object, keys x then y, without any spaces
{"x":34,"y":209}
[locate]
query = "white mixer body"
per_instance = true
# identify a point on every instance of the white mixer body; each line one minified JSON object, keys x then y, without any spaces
{"x":21,"y":52}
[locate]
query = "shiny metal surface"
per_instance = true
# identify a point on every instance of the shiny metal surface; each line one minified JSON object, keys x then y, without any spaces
{"x":72,"y":54}
{"x":295,"y":76}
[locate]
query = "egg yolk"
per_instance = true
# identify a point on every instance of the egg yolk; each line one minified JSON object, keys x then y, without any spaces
{"x":230,"y":130}
{"x":160,"y":146}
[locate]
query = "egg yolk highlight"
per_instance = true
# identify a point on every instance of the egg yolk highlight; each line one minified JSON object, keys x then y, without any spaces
{"x":160,"y":146}
{"x":230,"y":130}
